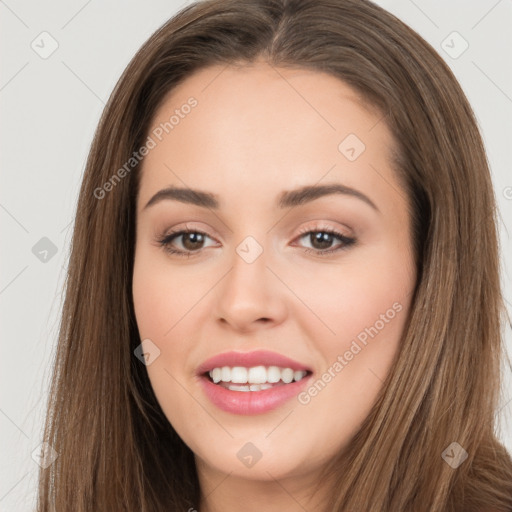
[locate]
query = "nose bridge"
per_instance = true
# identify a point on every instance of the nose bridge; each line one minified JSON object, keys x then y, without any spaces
{"x":248,"y":293}
{"x":247,"y":281}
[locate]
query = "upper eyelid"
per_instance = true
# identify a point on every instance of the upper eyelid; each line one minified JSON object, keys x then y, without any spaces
{"x":322,"y":227}
{"x":302,"y":232}
{"x":187,"y":229}
{"x":180,"y":232}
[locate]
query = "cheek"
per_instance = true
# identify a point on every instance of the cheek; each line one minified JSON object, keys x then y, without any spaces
{"x":351,"y":300}
{"x":161,"y":302}
{"x":164,"y":294}
{"x":155,"y":305}
{"x":168,"y":301}
{"x":366,"y":309}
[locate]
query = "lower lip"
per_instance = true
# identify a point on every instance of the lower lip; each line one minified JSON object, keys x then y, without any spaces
{"x":251,"y":402}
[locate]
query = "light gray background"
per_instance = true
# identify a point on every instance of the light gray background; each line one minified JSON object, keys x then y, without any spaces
{"x":49,"y":110}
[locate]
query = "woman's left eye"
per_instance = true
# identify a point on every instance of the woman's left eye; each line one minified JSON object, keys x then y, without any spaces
{"x":321,"y":242}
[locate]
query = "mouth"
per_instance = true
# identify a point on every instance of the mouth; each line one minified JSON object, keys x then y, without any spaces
{"x":252,"y":382}
{"x":255,"y":378}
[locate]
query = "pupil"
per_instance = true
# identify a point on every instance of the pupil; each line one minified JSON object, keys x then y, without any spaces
{"x":192,"y":241}
{"x":321,"y":240}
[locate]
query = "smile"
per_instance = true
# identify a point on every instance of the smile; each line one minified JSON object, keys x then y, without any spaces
{"x":252,"y":382}
{"x":257,"y":378}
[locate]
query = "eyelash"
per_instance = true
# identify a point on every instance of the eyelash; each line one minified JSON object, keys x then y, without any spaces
{"x":346,"y":241}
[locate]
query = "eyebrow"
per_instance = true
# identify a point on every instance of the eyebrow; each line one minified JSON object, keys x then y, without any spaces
{"x":288,"y":199}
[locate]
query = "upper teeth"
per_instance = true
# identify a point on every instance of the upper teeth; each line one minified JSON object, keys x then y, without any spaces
{"x":255,"y":375}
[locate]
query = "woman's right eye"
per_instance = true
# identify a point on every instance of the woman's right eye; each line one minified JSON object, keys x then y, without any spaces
{"x":188,"y":242}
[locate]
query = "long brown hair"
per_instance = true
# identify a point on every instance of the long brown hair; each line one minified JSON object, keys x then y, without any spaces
{"x":116,"y":449}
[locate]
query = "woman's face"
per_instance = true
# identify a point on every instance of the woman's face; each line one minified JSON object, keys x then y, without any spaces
{"x":299,"y":246}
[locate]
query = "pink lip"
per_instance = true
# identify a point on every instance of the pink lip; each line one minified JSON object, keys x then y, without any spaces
{"x":250,"y":359}
{"x":250,"y":402}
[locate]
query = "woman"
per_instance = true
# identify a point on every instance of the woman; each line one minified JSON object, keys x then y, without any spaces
{"x":283,"y":291}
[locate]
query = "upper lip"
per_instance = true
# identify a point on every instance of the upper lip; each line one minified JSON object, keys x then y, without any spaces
{"x":249,"y":360}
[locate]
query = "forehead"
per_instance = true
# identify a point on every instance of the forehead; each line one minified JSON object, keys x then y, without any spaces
{"x":259,"y":127}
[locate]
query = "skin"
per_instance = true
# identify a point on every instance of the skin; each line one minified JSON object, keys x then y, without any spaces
{"x":258,"y":131}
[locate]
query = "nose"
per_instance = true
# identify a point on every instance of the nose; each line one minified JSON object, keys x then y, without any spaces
{"x":250,"y":296}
